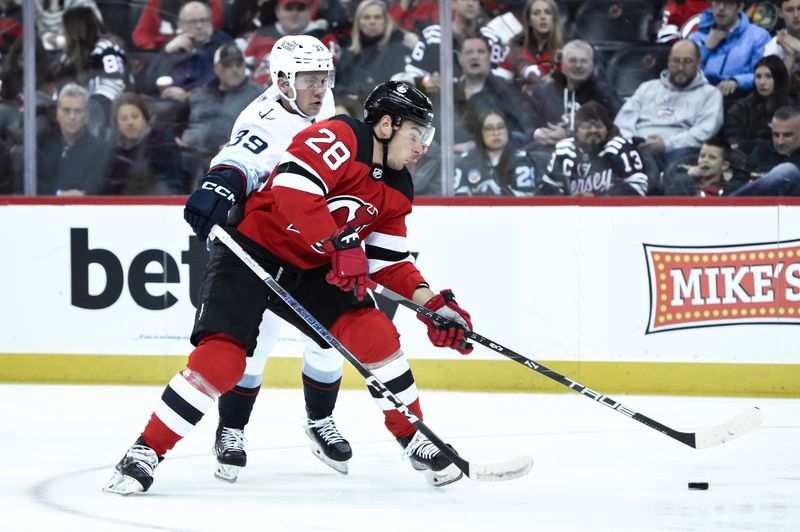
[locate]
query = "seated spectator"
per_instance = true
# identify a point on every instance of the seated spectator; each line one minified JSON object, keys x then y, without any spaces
{"x":712,"y":175}
{"x":294,"y":17}
{"x":747,"y":122}
{"x":479,"y":89}
{"x":777,"y":165}
{"x":556,"y":101}
{"x":49,"y":20}
{"x":494,"y":167}
{"x":158,"y":22}
{"x":187,"y":61}
{"x":213,"y":109}
{"x":676,"y":16}
{"x":468,"y":20}
{"x":94,"y":60}
{"x":415,"y":15}
{"x":144,"y":161}
{"x":730,"y":47}
{"x":533,"y":54}
{"x":10,"y":24}
{"x":378,"y":51}
{"x":71,"y":162}
{"x":786,"y":42}
{"x":676,"y":112}
{"x":596,"y":161}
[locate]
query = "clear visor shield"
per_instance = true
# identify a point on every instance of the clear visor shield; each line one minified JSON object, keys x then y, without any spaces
{"x":315,"y":80}
{"x":427,"y":136}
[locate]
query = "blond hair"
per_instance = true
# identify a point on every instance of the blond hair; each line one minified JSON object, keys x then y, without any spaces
{"x":356,"y":46}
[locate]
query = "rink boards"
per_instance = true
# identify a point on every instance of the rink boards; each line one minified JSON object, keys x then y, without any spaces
{"x":625,"y":296}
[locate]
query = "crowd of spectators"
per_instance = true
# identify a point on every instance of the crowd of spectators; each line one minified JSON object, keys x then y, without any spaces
{"x":136,"y":97}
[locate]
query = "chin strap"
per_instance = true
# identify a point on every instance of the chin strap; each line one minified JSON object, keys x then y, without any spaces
{"x":292,"y":102}
{"x":385,"y":143}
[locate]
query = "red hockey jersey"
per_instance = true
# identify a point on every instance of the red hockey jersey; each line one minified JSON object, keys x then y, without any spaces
{"x":326,"y":179}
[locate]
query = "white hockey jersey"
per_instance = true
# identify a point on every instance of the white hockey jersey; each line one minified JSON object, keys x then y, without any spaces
{"x":261,"y":134}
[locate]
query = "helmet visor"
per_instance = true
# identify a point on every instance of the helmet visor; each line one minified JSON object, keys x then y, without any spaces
{"x":313,"y":80}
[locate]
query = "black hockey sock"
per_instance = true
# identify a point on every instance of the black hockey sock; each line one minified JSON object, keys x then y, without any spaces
{"x":320,"y":396}
{"x":236,"y":405}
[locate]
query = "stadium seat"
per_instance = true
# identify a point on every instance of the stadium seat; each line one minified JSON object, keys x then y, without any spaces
{"x":608,"y":23}
{"x":631,"y":66}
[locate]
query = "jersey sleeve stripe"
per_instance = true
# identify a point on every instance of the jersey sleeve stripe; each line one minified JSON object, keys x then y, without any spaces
{"x":374,"y":252}
{"x":308,"y":170}
{"x":393,"y":242}
{"x":297,"y":182}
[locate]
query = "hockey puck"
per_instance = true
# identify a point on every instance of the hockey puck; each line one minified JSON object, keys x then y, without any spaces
{"x":698,"y":485}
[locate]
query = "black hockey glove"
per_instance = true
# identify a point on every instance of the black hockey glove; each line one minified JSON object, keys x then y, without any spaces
{"x":209,"y":204}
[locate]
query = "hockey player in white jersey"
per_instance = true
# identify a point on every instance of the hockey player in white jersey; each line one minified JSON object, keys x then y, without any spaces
{"x":303,"y":74}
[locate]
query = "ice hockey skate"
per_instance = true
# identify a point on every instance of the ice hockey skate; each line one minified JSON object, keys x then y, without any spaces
{"x":327,"y":443}
{"x":229,"y":450}
{"x":134,"y":473}
{"x":427,"y":458}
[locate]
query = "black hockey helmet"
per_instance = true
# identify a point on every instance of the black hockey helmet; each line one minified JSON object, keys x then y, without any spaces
{"x":399,"y":100}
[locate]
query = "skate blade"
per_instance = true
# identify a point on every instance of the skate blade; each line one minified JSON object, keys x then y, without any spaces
{"x":340,"y":467}
{"x":227,"y":473}
{"x":446,"y":476}
{"x":123,"y":485}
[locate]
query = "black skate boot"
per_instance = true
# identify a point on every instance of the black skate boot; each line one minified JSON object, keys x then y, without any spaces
{"x":134,"y":473}
{"x":427,"y":458}
{"x":229,"y":449}
{"x":327,"y":444}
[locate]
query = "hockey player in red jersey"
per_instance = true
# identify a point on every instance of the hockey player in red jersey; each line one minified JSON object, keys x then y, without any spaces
{"x":331,"y":215}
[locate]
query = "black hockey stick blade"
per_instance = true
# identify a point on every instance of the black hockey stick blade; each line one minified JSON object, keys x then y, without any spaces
{"x":509,"y":470}
{"x":719,"y":434}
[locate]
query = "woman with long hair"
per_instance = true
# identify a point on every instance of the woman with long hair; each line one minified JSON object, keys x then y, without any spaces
{"x":534,"y":53}
{"x":377,"y":51}
{"x":94,"y":59}
{"x":747,"y":122}
{"x":495,"y":167}
{"x":145,"y":161}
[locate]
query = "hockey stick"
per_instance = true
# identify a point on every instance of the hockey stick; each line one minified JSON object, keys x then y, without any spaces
{"x":738,"y":425}
{"x":511,"y":469}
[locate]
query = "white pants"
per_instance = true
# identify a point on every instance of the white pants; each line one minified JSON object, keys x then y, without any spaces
{"x":322,"y":365}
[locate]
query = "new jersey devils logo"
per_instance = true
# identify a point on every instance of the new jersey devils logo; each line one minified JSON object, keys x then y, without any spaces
{"x":352,"y":211}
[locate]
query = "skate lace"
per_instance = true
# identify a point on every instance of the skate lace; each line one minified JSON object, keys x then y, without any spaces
{"x":327,"y":429}
{"x":421,"y":446}
{"x":144,"y":458}
{"x":232,"y":439}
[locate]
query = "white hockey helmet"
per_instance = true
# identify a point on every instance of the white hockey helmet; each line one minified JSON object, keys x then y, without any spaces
{"x":299,"y":53}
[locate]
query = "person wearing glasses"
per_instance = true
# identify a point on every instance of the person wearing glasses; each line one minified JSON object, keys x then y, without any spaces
{"x":495,"y":167}
{"x":597,"y":161}
{"x":187,"y":60}
{"x":158,"y":22}
{"x":293,"y":17}
{"x":670,"y":115}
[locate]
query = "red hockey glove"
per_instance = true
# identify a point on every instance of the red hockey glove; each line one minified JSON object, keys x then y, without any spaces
{"x":349,"y":266}
{"x":444,"y":304}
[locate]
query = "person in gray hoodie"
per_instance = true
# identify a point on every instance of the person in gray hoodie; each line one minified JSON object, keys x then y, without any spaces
{"x":677,"y":112}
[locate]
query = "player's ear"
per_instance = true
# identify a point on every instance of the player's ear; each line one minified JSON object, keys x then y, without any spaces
{"x":384,"y":127}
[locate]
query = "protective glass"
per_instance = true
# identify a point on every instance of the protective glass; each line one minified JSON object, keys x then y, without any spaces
{"x":307,"y":82}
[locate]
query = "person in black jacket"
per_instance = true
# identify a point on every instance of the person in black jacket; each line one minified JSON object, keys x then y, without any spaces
{"x":495,"y":167}
{"x":556,"y":102}
{"x":145,"y":161}
{"x":377,"y":52}
{"x":71,"y":161}
{"x":747,"y":121}
{"x":780,"y":161}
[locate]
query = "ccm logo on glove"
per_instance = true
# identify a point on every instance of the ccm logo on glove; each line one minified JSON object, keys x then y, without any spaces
{"x":221,"y":190}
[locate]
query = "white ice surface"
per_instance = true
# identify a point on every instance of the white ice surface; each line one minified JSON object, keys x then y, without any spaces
{"x":594,"y":469}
